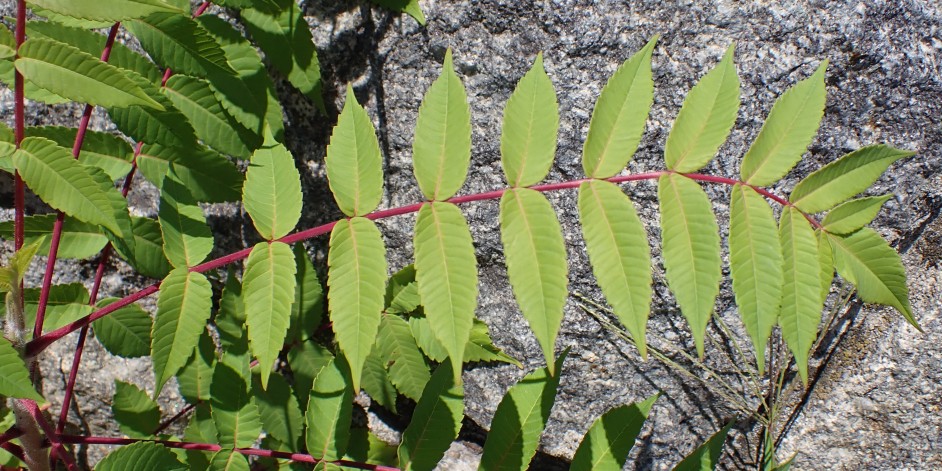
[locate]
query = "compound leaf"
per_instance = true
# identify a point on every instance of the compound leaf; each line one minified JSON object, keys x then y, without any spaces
{"x":801,"y":294}
{"x":356,"y":279}
{"x":867,"y":261}
{"x":183,"y":308}
{"x":691,"y":246}
{"x":137,"y":415}
{"x":209,"y":176}
{"x":141,"y":455}
{"x":329,"y":410}
{"x":789,"y":129}
{"x":187,"y":237}
{"x":105,"y":10}
{"x":442,"y":147}
{"x":234,"y":411}
{"x":854,"y":214}
{"x":705,"y":119}
{"x":619,"y":115}
{"x":279,"y":410}
{"x":354,"y":164}
{"x":520,"y":419}
{"x":125,"y":332}
{"x":195,"y":99}
{"x":272,"y":191}
{"x":63,"y":183}
{"x":844,"y":178}
{"x":14,"y":377}
{"x":706,"y":456}
{"x":607,"y":443}
{"x":529,"y":133}
{"x":268,"y":286}
{"x":180,"y":43}
{"x":755,"y":265}
{"x":435,"y":422}
{"x":407,"y":368}
{"x":618,"y":249}
{"x":446,"y":270}
{"x":536,"y":262}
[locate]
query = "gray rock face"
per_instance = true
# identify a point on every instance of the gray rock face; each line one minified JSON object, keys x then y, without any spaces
{"x":873,"y":401}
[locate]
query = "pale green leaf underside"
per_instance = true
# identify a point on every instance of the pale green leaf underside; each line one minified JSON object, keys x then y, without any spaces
{"x":789,"y":129}
{"x":180,"y":43}
{"x":267,"y":292}
{"x":825,"y":262}
{"x":31,"y":90}
{"x":441,"y":150}
{"x":77,"y":240}
{"x":76,"y":75}
{"x":520,"y":419}
{"x":619,"y":115}
{"x":329,"y":410}
{"x":801,"y":299}
{"x":137,"y":415}
{"x":272,"y":191}
{"x":705,"y":119}
{"x":536,"y":262}
{"x":139,"y":456}
{"x":183,"y":308}
{"x":63,"y":183}
{"x":187,"y":238}
{"x":357,"y":280}
{"x":531,"y":122}
{"x":354,"y":164}
{"x":854,"y":214}
{"x":618,"y":249}
{"x":446,"y":270}
{"x":706,"y":456}
{"x":14,"y":377}
{"x":195,"y":99}
{"x":406,"y":365}
{"x":607,"y":443}
{"x":691,"y":247}
{"x":867,"y":261}
{"x":125,"y":332}
{"x":755,"y":265}
{"x":435,"y":422}
{"x":844,"y":178}
{"x":234,"y":411}
{"x":105,"y":10}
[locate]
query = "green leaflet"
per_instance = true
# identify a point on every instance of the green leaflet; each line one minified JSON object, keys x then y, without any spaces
{"x":279,"y":410}
{"x":354,"y":164}
{"x":706,"y":456}
{"x":705,"y":119}
{"x":183,"y":307}
{"x":272,"y":191}
{"x":230,"y":317}
{"x":441,"y":150}
{"x":479,"y":348}
{"x":195,"y":99}
{"x":329,"y":410}
{"x":306,"y":361}
{"x":14,"y":377}
{"x":367,"y":448}
{"x":210,"y":177}
{"x":148,"y":258}
{"x":66,"y":303}
{"x":180,"y":43}
{"x":402,"y":292}
{"x":755,"y":265}
{"x":137,"y":415}
{"x":789,"y":129}
{"x":234,"y":411}
{"x":18,"y":264}
{"x":867,"y":261}
{"x":854,"y":214}
{"x":619,"y":116}
{"x":446,"y":271}
{"x":407,"y":6}
{"x":200,"y":429}
{"x":288,"y":45}
{"x":691,"y":246}
{"x":76,"y":75}
{"x":536,"y":262}
{"x":356,"y":279}
{"x":435,"y":422}
{"x":32,"y":91}
{"x":520,"y":419}
{"x":125,"y":332}
{"x":618,"y":249}
{"x":407,"y":368}
{"x":607,"y":443}
{"x":375,"y":381}
{"x":187,"y":237}
{"x":229,"y":460}
{"x":119,"y":210}
{"x":195,"y":379}
{"x":529,"y":132}
{"x":168,"y":126}
{"x":268,"y":285}
{"x":141,"y":455}
{"x":78,"y":239}
{"x":801,"y":294}
{"x":105,"y":10}
{"x":7,"y":44}
{"x":108,"y":152}
{"x":93,"y":43}
{"x":826,"y":262}
{"x":844,"y":178}
{"x":307,"y":310}
{"x":62,"y":182}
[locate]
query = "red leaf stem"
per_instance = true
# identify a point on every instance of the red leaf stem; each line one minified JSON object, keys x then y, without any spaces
{"x":51,"y":435}
{"x":19,"y":126}
{"x":163,"y":426}
{"x":11,"y":433}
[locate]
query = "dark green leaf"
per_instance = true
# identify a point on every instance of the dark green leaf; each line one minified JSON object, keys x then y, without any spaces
{"x":108,"y":152}
{"x":435,"y":422}
{"x":279,"y":410}
{"x":607,"y":443}
{"x":306,"y":361}
{"x":14,"y":377}
{"x":140,"y":456}
{"x":375,"y":381}
{"x":149,"y":125}
{"x":329,"y":409}
{"x":105,"y":10}
{"x":137,"y":415}
{"x":125,"y":332}
{"x":180,"y":43}
{"x":406,"y":365}
{"x":707,"y":455}
{"x":402,"y":292}
{"x":187,"y":237}
{"x":148,"y":258}
{"x":235,"y":413}
{"x":406,"y":6}
{"x":210,"y":177}
{"x":307,"y":309}
{"x":195,"y":379}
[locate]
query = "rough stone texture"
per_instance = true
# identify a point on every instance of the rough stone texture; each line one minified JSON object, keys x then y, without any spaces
{"x":874,"y":401}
